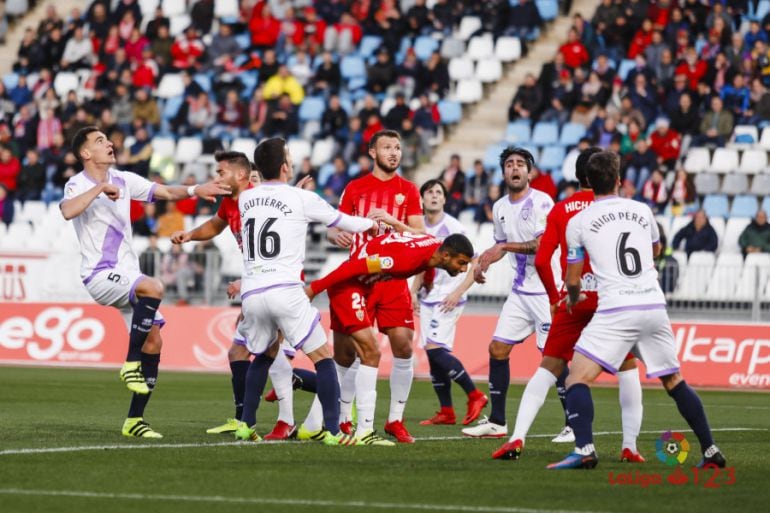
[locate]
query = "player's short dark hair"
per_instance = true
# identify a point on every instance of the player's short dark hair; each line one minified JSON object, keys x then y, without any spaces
{"x":603,"y":171}
{"x":521,"y":152}
{"x":581,"y":165}
{"x":458,"y":244}
{"x":80,"y":138}
{"x":234,"y":158}
{"x":269,"y":156}
{"x":432,"y":183}
{"x":383,"y":133}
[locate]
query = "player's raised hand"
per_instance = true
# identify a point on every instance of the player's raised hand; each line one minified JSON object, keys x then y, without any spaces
{"x":304,"y":181}
{"x":233,"y":288}
{"x":478,"y":275}
{"x":488,"y":257}
{"x":111,"y":191}
{"x":382,"y":216}
{"x":450,"y":302}
{"x":309,"y":292}
{"x":209,"y":191}
{"x":180,"y":237}
{"x":343,"y":239}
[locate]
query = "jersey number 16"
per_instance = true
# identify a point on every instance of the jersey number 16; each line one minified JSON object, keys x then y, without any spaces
{"x":267,"y":243}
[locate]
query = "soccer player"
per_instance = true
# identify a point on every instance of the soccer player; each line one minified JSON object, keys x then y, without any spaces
{"x":98,"y":201}
{"x":395,"y":202}
{"x":274,"y":219}
{"x":519,"y":221}
{"x":234,"y":170}
{"x":440,"y":310}
{"x":621,"y":238}
{"x":565,"y":331}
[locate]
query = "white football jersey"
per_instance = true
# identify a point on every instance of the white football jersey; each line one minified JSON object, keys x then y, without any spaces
{"x":521,"y":221}
{"x":443,"y":284}
{"x":274,"y":219}
{"x":104,"y":228}
{"x":618,"y":235}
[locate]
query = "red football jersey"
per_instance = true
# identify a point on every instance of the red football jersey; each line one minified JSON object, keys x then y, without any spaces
{"x":228,"y":212}
{"x":555,"y":235}
{"x":394,"y":255}
{"x":398,"y":196}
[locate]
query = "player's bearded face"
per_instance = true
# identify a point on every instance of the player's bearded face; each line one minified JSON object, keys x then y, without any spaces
{"x":516,"y":173}
{"x":456,"y":264}
{"x":387,"y":154}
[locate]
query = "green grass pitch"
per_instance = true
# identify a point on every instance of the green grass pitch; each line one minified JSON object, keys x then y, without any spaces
{"x":190,"y":471}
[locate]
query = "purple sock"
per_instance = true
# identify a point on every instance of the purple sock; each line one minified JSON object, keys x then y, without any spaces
{"x":580,"y":408}
{"x":329,"y":394}
{"x":256,"y":377}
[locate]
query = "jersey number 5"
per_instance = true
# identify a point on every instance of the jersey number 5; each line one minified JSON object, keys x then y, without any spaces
{"x":629,"y":260}
{"x":268,"y":244}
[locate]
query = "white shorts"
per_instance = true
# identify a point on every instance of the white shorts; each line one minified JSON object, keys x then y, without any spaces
{"x":437,"y":327}
{"x":609,"y":337}
{"x":239,"y":340}
{"x":287,"y":309}
{"x":521,"y":315}
{"x":116,"y":287}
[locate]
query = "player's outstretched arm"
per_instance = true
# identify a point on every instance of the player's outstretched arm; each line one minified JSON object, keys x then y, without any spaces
{"x":346,"y":270}
{"x":339,"y":238}
{"x":73,"y":207}
{"x":453,"y":299}
{"x":206,"y":231}
{"x":414,"y":224}
{"x":207,"y":191}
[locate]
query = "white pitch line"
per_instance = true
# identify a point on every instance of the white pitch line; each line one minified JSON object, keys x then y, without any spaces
{"x":83,"y":448}
{"x":281,"y":502}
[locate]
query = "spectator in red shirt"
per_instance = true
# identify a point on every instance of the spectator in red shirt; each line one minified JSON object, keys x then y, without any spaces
{"x":187,"y":50}
{"x":543,"y":182}
{"x":314,"y":29}
{"x":135,"y":46}
{"x":575,"y":54}
{"x":146,"y":71}
{"x":345,"y":37}
{"x":692,"y":67}
{"x":264,"y":27}
{"x":642,"y":39}
{"x":666,"y":143}
{"x":9,"y":170}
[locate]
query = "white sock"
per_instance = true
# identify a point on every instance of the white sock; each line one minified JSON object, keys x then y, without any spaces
{"x":366,"y":396}
{"x":401,"y":377}
{"x":315,"y":417}
{"x":281,"y":376}
{"x":531,"y":401}
{"x":630,"y":395}
{"x":347,"y":377}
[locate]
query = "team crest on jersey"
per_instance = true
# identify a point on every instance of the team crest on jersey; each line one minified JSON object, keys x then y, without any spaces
{"x":360,"y":315}
{"x":400,"y":199}
{"x":526,"y":211}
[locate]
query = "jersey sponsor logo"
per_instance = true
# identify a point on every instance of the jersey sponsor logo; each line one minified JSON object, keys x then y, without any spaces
{"x":400,"y":199}
{"x":545,"y":327}
{"x":434,"y":323}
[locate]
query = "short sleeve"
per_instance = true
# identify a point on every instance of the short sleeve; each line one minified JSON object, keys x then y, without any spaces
{"x":499,"y":232}
{"x":575,"y":250}
{"x":346,"y":201}
{"x":543,"y":206}
{"x":72,"y":188}
{"x":318,"y":210}
{"x":138,"y":188}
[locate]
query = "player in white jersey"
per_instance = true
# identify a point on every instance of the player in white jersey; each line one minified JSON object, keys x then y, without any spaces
{"x":519,"y":221}
{"x":98,"y":200}
{"x":620,"y":237}
{"x":274,"y":220}
{"x":440,"y":309}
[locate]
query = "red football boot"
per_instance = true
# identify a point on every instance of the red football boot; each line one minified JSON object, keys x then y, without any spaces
{"x":271,"y":396}
{"x":281,"y":431}
{"x":631,"y":457}
{"x":445,"y":416}
{"x":476,"y":403}
{"x":397,"y":430}
{"x":509,"y":451}
{"x":346,"y":427}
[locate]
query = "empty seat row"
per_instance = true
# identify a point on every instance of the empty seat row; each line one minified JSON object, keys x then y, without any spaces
{"x":726,"y":160}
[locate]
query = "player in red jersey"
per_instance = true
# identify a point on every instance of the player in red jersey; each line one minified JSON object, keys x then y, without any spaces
{"x":234,"y":169}
{"x":395,"y":202}
{"x":566,"y":327}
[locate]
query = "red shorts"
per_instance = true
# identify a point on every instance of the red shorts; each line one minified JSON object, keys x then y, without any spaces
{"x":354,"y":306}
{"x":566,"y":328}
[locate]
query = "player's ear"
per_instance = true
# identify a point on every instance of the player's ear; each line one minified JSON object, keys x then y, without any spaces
{"x":372,"y":153}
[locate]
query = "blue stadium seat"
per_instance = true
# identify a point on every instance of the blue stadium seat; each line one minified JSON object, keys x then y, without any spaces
{"x":249,"y":80}
{"x":369,"y":45}
{"x":571,"y":134}
{"x":312,"y":108}
{"x":353,"y":70}
{"x":171,"y":107}
{"x":204,"y":81}
{"x":626,"y":65}
{"x":10,"y":80}
{"x":545,"y":133}
{"x":552,"y":157}
{"x":763,"y":9}
{"x":549,"y":9}
{"x":716,"y":205}
{"x":324,"y":173}
{"x":451,"y":112}
{"x":243,"y":40}
{"x":518,"y":132}
{"x":424,"y":46}
{"x":492,"y":155}
{"x":744,"y":205}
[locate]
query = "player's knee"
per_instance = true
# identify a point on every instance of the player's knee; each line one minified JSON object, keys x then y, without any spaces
{"x":402,"y":351}
{"x":499,"y":351}
{"x":344,"y":358}
{"x":370,"y":355}
{"x":553,"y":365}
{"x":237,"y":353}
{"x":671,"y":381}
{"x":150,"y":287}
